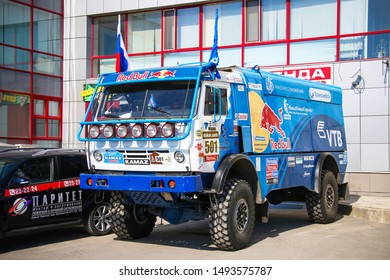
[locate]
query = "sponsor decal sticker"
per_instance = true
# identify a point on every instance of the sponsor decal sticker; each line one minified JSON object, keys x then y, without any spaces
{"x":113,"y":157}
{"x":19,"y":207}
{"x":320,"y":95}
{"x":269,"y":85}
{"x":272,"y":172}
{"x":211,"y":145}
{"x":49,"y":205}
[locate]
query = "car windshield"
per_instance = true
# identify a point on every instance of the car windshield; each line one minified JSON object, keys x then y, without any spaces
{"x":5,"y":166}
{"x":152,"y":100}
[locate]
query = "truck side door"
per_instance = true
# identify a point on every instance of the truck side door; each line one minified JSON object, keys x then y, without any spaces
{"x":219,"y":137}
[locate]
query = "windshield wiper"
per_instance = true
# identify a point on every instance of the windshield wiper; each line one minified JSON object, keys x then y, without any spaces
{"x":163,"y":112}
{"x":111,"y":115}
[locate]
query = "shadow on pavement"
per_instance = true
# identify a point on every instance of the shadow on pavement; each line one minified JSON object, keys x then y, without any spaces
{"x":28,"y":240}
{"x":195,"y":234}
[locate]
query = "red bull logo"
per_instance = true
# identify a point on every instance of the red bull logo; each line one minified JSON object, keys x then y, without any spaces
{"x":162,"y":74}
{"x":270,"y":121}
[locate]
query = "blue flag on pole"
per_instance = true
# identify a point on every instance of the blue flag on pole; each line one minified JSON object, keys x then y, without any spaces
{"x":214,"y":58}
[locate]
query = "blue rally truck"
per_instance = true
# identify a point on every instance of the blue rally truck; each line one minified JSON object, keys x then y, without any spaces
{"x":178,"y":143}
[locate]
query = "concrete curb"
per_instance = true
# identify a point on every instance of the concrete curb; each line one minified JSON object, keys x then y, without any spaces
{"x":372,"y":208}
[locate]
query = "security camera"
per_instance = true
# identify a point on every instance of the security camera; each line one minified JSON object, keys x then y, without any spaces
{"x":354,"y":73}
{"x":357,"y":81}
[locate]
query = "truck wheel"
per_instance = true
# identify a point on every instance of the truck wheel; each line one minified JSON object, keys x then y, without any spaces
{"x":98,"y":221}
{"x":232,"y":218}
{"x":129,"y":221}
{"x":322,"y":207}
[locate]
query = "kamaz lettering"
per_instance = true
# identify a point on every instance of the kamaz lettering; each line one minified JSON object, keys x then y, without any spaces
{"x":217,"y":148}
{"x":137,"y":161}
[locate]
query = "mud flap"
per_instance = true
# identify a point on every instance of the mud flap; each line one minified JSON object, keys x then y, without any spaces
{"x":344,"y":191}
{"x":262,"y":212}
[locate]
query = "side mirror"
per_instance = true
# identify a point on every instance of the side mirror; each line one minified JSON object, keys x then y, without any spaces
{"x":20,"y":181}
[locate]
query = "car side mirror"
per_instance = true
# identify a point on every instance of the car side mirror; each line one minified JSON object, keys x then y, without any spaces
{"x":20,"y":181}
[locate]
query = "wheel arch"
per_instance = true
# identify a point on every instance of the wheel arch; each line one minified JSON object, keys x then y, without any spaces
{"x":237,"y":166}
{"x":326,"y":162}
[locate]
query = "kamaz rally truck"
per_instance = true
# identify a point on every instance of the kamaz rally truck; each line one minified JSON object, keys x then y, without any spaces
{"x":181,"y":144}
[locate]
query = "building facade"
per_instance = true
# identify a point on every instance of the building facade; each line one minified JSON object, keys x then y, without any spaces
{"x":31,"y":54}
{"x":341,"y":42}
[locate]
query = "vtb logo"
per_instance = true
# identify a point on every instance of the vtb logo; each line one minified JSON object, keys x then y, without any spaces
{"x":333,"y":136}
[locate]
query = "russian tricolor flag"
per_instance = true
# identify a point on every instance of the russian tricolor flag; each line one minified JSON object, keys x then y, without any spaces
{"x":123,"y":62}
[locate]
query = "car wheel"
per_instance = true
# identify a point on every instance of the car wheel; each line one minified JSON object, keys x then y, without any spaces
{"x":232,"y":218}
{"x":322,"y":207}
{"x":99,"y":220}
{"x":130,"y":221}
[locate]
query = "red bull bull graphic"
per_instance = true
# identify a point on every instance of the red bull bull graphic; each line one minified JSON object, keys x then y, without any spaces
{"x":162,"y":74}
{"x":271,"y":121}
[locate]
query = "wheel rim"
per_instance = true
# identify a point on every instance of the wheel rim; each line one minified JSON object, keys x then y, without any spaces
{"x":330,"y":196}
{"x":241,"y":215}
{"x":101,"y":218}
{"x":140,"y":215}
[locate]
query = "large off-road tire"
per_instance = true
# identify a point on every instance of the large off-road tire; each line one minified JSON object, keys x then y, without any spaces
{"x":129,"y":221}
{"x":232,"y":218}
{"x":322,"y":207}
{"x":98,"y":221}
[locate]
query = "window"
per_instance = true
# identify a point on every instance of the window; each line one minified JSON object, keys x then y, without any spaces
{"x":188,"y":28}
{"x":227,"y":57}
{"x":14,"y":58}
{"x":173,"y":59}
{"x":14,"y":115}
{"x":265,"y":55}
{"x":46,"y":85}
{"x":215,"y":101}
{"x":313,"y":18}
{"x":252,"y":21}
{"x":37,"y":170}
{"x":229,"y":24}
{"x":72,"y":166}
{"x":14,"y":19}
{"x":273,"y":20}
{"x":47,"y":64}
{"x":47,"y":118}
{"x":52,"y":5}
{"x":144,"y":32}
{"x":169,"y":29}
{"x":47,"y":32}
{"x":360,"y":47}
{"x":364,"y":15}
{"x":105,"y":35}
{"x":313,"y":51}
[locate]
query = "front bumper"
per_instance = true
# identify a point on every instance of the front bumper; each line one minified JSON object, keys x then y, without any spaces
{"x":141,"y":183}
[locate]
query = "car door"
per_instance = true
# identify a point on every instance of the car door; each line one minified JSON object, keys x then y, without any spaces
{"x":69,"y":167}
{"x":30,"y":194}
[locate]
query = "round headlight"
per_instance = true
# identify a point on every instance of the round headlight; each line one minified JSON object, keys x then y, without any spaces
{"x":94,"y":131}
{"x":108,"y":131}
{"x":167,"y":130}
{"x":151,"y":130}
{"x":136,"y":130}
{"x":179,"y":156}
{"x":121,"y":131}
{"x":98,"y":155}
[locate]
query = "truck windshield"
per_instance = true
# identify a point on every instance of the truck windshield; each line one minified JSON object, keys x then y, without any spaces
{"x":152,"y":100}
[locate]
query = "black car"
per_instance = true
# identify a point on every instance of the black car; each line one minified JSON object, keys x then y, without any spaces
{"x":40,"y":188}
